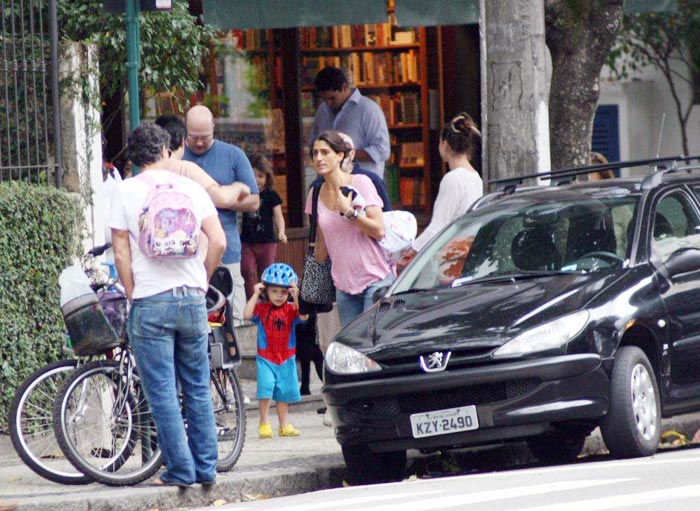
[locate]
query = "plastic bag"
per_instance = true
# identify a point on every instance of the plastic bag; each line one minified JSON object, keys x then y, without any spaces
{"x":400,"y":229}
{"x":74,"y":283}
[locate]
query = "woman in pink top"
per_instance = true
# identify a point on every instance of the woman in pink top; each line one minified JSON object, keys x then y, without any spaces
{"x":348,"y":231}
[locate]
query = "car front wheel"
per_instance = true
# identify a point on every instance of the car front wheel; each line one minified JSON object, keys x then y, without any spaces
{"x":365,"y":466}
{"x":632,"y":426}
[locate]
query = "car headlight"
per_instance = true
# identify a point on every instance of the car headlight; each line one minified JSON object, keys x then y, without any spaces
{"x":547,"y":336}
{"x":342,"y":359}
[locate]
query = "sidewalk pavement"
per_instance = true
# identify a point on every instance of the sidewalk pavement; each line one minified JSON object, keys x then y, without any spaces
{"x":267,"y":468}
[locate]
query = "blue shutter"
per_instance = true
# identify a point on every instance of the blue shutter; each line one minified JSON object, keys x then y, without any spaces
{"x":606,"y":132}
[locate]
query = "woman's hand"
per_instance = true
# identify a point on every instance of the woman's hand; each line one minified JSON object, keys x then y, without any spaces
{"x":343,"y":202}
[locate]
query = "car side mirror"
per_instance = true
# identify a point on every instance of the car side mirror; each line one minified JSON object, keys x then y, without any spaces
{"x":684,"y":260}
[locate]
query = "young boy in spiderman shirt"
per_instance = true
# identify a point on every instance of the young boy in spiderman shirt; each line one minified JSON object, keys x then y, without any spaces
{"x":276,"y":318}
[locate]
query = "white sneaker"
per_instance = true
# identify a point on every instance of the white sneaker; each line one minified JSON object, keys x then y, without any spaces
{"x":327,"y":419}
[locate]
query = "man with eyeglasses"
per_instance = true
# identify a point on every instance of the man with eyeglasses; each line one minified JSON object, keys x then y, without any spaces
{"x":227,"y":164}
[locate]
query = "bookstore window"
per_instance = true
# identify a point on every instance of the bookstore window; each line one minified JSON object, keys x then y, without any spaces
{"x":240,"y":94}
{"x":387,"y":64}
{"x":260,"y":86}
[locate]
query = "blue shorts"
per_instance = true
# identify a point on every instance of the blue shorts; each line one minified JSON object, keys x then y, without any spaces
{"x":278,"y":382}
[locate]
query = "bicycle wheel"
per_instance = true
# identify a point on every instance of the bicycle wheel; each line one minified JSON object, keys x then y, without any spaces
{"x":229,"y":411}
{"x":104,"y":426}
{"x":31,"y":424}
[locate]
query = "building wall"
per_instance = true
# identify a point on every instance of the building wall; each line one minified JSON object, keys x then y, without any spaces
{"x":643,"y":100}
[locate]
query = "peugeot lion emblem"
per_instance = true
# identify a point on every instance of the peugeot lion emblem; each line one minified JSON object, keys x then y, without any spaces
{"x":435,"y":362}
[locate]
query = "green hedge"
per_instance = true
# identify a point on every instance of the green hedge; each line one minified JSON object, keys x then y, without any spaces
{"x":39,"y":228}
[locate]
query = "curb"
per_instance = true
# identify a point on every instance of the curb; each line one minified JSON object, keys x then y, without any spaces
{"x":302,"y":471}
{"x":274,"y":480}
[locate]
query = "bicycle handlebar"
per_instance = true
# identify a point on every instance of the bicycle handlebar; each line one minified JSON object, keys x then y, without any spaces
{"x":98,"y":251}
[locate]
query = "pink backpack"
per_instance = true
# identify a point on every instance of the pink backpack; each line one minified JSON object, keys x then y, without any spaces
{"x":168,"y":227}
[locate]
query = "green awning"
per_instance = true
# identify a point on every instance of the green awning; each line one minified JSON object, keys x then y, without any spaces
{"x":416,"y":13}
{"x":227,"y":14}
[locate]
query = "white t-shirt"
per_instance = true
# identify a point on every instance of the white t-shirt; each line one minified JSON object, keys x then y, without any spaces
{"x":459,"y":188}
{"x":153,"y":276}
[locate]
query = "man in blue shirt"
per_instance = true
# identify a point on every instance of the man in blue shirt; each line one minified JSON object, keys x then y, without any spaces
{"x":347,"y":110}
{"x":227,"y":164}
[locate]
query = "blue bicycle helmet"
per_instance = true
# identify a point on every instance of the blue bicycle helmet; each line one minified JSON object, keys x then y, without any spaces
{"x":279,"y":274}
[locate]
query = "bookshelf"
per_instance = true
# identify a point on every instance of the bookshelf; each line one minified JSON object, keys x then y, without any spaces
{"x":389,"y":65}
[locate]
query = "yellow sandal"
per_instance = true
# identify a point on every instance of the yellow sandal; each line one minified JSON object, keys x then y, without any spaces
{"x":289,"y":430}
{"x":265,"y":431}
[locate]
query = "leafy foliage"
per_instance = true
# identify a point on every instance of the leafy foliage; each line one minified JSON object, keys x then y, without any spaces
{"x":668,"y":41}
{"x":173,"y":44}
{"x":39,"y":228}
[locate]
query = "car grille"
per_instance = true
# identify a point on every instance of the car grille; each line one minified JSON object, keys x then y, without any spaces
{"x":459,"y":358}
{"x":439,"y":400}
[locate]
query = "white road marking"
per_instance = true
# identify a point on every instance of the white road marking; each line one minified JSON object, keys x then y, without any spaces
{"x":599,"y":465}
{"x":340,"y":497}
{"x":422,"y":501}
{"x":343,"y":499}
{"x":620,"y":501}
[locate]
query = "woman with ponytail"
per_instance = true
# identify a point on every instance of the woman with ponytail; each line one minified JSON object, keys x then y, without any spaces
{"x":460,"y":142}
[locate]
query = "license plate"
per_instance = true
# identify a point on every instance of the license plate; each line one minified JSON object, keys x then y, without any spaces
{"x":442,"y":422}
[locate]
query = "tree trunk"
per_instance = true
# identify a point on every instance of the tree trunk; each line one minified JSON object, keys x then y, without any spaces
{"x":514,"y":91}
{"x":579,"y":36}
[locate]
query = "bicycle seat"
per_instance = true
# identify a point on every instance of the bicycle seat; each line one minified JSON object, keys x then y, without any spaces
{"x":216,"y":305}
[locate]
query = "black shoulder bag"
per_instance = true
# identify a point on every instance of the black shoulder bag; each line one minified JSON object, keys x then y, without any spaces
{"x":317,"y":290}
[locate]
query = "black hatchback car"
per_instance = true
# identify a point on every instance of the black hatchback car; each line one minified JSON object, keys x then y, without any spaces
{"x":540,"y":314}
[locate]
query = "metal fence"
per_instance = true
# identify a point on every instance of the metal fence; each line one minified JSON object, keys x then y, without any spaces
{"x":30,"y":143}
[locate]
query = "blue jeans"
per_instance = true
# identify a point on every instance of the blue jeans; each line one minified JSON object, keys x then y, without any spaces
{"x":351,"y":306}
{"x":169,"y":334}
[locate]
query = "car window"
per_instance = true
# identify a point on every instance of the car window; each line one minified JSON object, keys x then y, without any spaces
{"x":581,"y":234}
{"x":675,"y":226}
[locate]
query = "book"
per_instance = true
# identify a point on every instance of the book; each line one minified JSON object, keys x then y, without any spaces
{"x":412,"y":191}
{"x":370,"y":34}
{"x":410,"y":112}
{"x":412,"y":154}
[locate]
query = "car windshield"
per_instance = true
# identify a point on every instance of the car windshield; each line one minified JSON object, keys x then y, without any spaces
{"x":526,"y":237}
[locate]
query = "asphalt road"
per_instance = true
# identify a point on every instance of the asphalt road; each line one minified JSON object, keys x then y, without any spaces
{"x":670,"y":480}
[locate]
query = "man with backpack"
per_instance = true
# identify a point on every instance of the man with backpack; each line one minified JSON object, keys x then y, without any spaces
{"x":227,"y":164}
{"x":156,"y":220}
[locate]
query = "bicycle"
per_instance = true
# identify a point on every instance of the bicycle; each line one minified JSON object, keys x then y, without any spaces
{"x":102,"y":421}
{"x":30,"y":419}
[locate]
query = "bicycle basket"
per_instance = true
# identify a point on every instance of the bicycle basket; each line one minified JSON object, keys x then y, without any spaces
{"x":89,"y":328}
{"x":114,"y":306}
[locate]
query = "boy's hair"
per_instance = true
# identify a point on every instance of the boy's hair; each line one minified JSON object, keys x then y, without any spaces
{"x":330,"y":78}
{"x":259,"y":162}
{"x":146,"y":143}
{"x":175,"y":128}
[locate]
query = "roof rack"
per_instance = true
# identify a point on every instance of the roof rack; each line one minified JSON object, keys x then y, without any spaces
{"x":571,"y":172}
{"x":654,"y":178}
